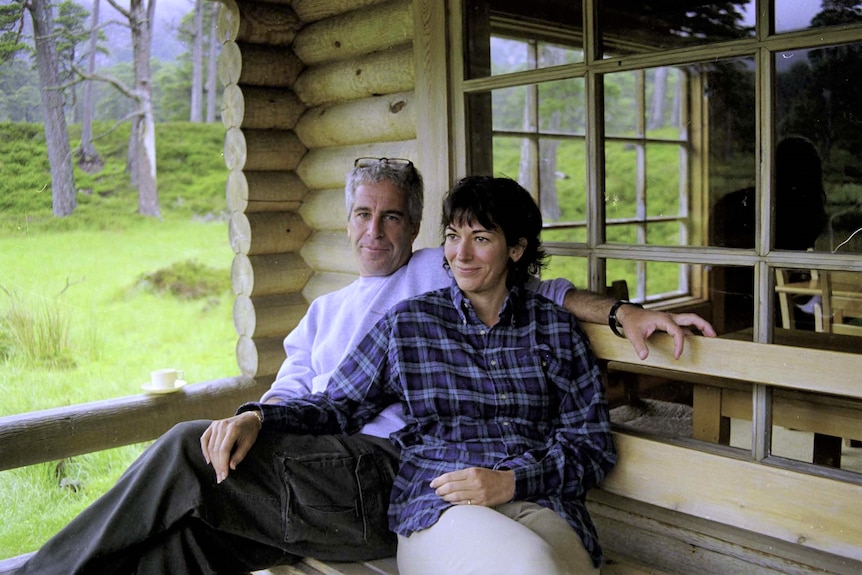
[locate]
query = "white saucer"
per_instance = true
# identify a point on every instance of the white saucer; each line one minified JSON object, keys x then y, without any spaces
{"x":178,"y":385}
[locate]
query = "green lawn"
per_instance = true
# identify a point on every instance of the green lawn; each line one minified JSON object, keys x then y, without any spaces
{"x":91,"y":303}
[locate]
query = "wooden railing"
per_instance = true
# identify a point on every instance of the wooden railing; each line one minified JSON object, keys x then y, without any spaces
{"x":730,"y":492}
{"x":36,"y":437}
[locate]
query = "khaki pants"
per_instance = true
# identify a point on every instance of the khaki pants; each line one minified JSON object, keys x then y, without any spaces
{"x":516,"y":538}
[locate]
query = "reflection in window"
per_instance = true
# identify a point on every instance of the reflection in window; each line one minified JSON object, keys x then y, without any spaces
{"x":817,"y":102}
{"x":505,"y":36}
{"x":514,"y":55}
{"x":792,"y":15}
{"x":729,"y":90}
{"x":629,"y":27}
{"x":731,"y":291}
{"x":819,"y":308}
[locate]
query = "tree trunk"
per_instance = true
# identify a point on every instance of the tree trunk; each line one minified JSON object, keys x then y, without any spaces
{"x":212,"y":65}
{"x":196,"y":111}
{"x":142,"y":146}
{"x":56,"y":134}
{"x":657,"y":109}
{"x":88,"y":157}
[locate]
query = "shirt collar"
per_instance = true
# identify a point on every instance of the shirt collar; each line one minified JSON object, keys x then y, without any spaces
{"x":465,"y":310}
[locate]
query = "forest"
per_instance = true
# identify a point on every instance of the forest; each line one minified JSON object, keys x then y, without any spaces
{"x":49,"y":74}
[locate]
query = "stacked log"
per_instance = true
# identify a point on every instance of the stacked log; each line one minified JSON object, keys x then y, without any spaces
{"x":309,"y":85}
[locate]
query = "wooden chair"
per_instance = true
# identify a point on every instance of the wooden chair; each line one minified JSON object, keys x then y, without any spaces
{"x":840,"y":298}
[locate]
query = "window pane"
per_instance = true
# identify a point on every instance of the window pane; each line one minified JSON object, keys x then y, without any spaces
{"x":793,"y":15}
{"x":664,"y":171}
{"x":623,"y":108}
{"x":508,"y":36}
{"x":665,"y":279}
{"x":650,"y":102}
{"x":731,"y":294}
{"x":562,"y":189}
{"x":621,"y":171}
{"x":556,"y":176}
{"x":650,"y":404}
{"x":732,"y":167}
{"x":666,"y":92}
{"x":537,"y":138}
{"x":820,"y":429}
{"x":629,"y":27}
{"x":820,"y":309}
{"x":659,"y":405}
{"x":645,"y":197}
{"x":649,"y":281}
{"x":562,"y":107}
{"x":572,"y":268}
{"x":818,"y":158}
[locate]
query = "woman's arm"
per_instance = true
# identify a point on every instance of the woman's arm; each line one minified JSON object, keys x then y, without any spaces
{"x":579,"y":450}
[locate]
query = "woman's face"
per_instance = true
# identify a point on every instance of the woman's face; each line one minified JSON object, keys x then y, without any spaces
{"x":479,"y":257}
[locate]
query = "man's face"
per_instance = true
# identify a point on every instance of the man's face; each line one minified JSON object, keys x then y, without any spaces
{"x":379,"y":229}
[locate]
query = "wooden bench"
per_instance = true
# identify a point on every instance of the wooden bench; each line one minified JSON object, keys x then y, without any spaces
{"x":649,"y":523}
{"x":388,"y":567}
{"x":669,"y":507}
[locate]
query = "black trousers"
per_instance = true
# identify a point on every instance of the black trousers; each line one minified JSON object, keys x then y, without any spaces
{"x":293,"y":496}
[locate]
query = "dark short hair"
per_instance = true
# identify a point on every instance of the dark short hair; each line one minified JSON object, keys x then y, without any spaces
{"x":500,"y":203}
{"x":405,"y":177}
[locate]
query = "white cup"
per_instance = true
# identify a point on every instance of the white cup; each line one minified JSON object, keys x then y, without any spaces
{"x":166,"y":378}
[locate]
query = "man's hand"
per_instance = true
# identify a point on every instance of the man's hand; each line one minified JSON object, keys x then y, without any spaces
{"x":226,"y":442}
{"x":638,"y":324}
{"x":476,"y":486}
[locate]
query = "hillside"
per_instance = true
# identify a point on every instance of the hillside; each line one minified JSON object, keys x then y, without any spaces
{"x":190,"y":170}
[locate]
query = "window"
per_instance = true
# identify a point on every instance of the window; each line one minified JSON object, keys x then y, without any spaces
{"x":705,"y":160}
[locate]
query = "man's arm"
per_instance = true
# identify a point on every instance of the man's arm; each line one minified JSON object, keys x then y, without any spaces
{"x":638,"y":324}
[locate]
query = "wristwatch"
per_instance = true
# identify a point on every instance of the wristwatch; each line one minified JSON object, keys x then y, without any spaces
{"x":613,"y":322}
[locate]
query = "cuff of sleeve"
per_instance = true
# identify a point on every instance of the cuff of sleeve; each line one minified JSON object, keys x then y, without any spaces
{"x":255,"y":406}
{"x":524,"y":487}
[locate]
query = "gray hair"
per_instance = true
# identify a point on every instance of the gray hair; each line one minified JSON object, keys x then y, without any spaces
{"x":404,"y":176}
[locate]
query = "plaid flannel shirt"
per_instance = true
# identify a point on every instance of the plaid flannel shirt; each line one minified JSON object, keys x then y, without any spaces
{"x":525,"y":395}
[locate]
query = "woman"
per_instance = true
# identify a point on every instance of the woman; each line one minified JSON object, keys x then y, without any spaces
{"x":507,"y":427}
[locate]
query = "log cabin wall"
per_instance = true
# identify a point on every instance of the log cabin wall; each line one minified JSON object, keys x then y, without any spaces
{"x":309,"y":85}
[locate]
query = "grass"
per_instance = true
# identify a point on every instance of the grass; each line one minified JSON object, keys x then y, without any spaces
{"x":91,"y":303}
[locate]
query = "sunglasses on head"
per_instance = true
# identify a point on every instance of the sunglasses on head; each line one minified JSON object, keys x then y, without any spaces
{"x":400,"y":163}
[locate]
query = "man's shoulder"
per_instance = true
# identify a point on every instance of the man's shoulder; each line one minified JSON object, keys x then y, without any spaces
{"x":428,"y":300}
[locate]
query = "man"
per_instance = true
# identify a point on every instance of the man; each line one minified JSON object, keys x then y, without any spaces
{"x":293,"y":496}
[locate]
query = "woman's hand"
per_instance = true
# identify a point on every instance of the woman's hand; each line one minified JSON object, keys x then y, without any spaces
{"x":476,"y":486}
{"x":226,"y":442}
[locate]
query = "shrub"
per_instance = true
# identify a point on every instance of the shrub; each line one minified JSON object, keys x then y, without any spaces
{"x":186,"y":280}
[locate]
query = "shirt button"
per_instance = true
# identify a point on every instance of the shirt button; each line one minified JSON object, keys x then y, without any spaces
{"x":503,"y":396}
{"x":482,"y":332}
{"x":506,"y":424}
{"x":493,"y":362}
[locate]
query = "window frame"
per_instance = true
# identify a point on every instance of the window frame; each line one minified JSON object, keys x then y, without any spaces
{"x":763,"y":260}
